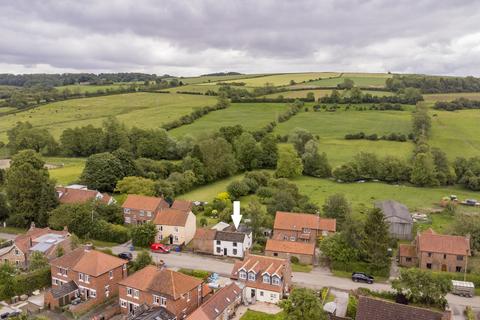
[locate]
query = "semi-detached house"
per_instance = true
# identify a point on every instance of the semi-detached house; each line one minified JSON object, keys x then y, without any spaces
{"x":138,"y":209}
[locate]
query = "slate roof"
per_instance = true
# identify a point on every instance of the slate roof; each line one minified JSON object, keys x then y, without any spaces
{"x":230,"y":236}
{"x":394,"y":211}
{"x":64,"y":289}
{"x":429,"y":241}
{"x":290,"y":247}
{"x":376,"y":309}
{"x":147,"y":313}
{"x":215,"y":306}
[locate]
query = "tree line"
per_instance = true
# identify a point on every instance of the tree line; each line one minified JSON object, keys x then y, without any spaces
{"x":433,"y":84}
{"x":400,"y":137}
{"x":457,"y":104}
{"x":356,"y":95}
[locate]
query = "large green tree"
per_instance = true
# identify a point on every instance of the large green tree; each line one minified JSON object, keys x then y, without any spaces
{"x":102,"y":171}
{"x":144,"y":235}
{"x":422,"y":286}
{"x":136,"y":185}
{"x":423,"y":171}
{"x":115,"y":135}
{"x":337,"y":207}
{"x":289,"y":164}
{"x":217,"y":157}
{"x":303,"y":304}
{"x":299,"y":137}
{"x":82,"y":141}
{"x":30,"y":191}
{"x":247,"y":151}
{"x":315,"y":164}
{"x":24,"y":136}
{"x":376,"y":240}
{"x":269,"y":151}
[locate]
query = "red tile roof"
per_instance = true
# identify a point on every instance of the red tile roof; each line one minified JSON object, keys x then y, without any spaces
{"x":73,"y":195}
{"x":184,"y":205}
{"x":260,"y":265}
{"x":205,"y":234}
{"x":25,"y":241}
{"x":407,"y":250}
{"x":429,"y":241}
{"x":139,"y":202}
{"x":162,"y":281}
{"x":214,"y":307}
{"x":91,"y":262}
{"x":171,"y":217}
{"x":376,"y":309}
{"x":290,"y":247}
{"x":298,"y":221}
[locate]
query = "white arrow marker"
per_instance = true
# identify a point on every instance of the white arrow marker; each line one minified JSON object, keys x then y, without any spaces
{"x":236,"y":216}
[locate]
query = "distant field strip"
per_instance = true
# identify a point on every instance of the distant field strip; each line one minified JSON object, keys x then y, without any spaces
{"x":284,"y":79}
{"x":145,"y":110}
{"x":376,"y":80}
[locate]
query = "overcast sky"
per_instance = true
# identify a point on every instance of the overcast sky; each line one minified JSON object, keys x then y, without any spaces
{"x":201,"y":36}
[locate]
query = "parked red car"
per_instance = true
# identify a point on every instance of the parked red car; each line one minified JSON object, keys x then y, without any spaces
{"x":159,"y":247}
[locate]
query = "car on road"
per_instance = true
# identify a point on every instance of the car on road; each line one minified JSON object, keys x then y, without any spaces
{"x":126,"y":255}
{"x":160,"y":248}
{"x":362,"y":277}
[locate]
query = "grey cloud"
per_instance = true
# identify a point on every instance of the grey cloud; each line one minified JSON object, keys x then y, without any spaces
{"x":250,"y":36}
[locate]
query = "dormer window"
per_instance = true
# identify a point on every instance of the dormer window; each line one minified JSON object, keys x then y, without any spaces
{"x":242,"y":275}
{"x":251,"y":276}
{"x":306,"y":230}
{"x":126,"y":210}
{"x":141,"y":213}
{"x":266,"y":278}
{"x":275,"y":280}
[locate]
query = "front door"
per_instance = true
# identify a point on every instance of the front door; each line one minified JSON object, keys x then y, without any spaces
{"x":252,"y":292}
{"x":224,"y":251}
{"x":444,"y":267}
{"x":131,"y":307}
{"x":171,"y":239}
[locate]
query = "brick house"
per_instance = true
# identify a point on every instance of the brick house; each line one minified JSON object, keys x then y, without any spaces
{"x":265,"y":279}
{"x":151,"y":286}
{"x":301,"y":227}
{"x":220,"y":306}
{"x":304,"y":251}
{"x":139,"y":209}
{"x":378,"y":309}
{"x":87,"y":273}
{"x":44,"y":240}
{"x":174,"y":226}
{"x":81,"y":194}
{"x":436,"y":252}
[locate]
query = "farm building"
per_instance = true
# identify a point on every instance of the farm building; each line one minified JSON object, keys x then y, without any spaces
{"x":399,"y":218}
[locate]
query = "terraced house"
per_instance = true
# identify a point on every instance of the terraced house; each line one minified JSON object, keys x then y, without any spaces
{"x":139,"y":209}
{"x":176,"y":293}
{"x":221,"y":306}
{"x":264,"y":279}
{"x":303,"y":227}
{"x":86,"y":273}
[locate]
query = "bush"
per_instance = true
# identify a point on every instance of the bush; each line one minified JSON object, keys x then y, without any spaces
{"x":200,"y":274}
{"x":26,"y":283}
{"x":294,"y":259}
{"x":144,"y":235}
{"x":236,"y":189}
{"x":105,"y":231}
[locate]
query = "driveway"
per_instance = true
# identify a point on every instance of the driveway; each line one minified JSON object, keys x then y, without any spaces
{"x":316,"y":279}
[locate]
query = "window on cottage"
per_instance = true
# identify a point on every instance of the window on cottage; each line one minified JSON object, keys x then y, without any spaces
{"x":261,"y":293}
{"x":266,"y":278}
{"x":429,"y":266}
{"x":126,"y":210}
{"x":219,"y":250}
{"x":429,"y":254}
{"x":234,"y":252}
{"x":136,"y":294}
{"x":234,"y":244}
{"x":306,"y":230}
{"x":459,"y":258}
{"x":87,"y":278}
{"x":218,"y":242}
{"x":292,"y":238}
{"x":176,"y":229}
{"x":285,"y":237}
{"x":129,"y":292}
{"x":17,"y":252}
{"x":408,"y":259}
{"x":161,"y":228}
{"x":275,"y":254}
{"x":444,"y":256}
{"x":149,"y":213}
{"x":458,"y":269}
{"x":81,"y":277}
{"x":275,"y":280}
{"x":156,"y":300}
{"x":93,"y":293}
{"x":251,"y":276}
{"x":110,"y":274}
{"x":242,"y":275}
{"x":123,"y":303}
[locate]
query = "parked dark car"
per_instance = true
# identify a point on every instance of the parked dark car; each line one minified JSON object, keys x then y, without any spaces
{"x":14,"y":314}
{"x":126,"y":255}
{"x":362,"y":277}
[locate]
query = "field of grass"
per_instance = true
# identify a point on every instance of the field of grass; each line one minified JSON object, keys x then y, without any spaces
{"x":210,"y":191}
{"x":256,"y":315}
{"x":91,"y":88}
{"x":213,"y":79}
{"x":318,"y":93}
{"x":450,"y":96}
{"x":69,"y":170}
{"x":284,"y":79}
{"x":331,"y":127}
{"x":145,"y":110}
{"x":361,"y":80}
{"x":456,"y":133}
{"x":363,"y":195}
{"x":6,"y":109}
{"x":194,"y":88}
{"x":250,"y":115}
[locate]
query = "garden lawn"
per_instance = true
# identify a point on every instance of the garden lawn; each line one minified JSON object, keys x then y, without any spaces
{"x":456,"y":133}
{"x":209,"y":191}
{"x":331,"y":128}
{"x":251,"y":116}
{"x":256,"y":315}
{"x":69,"y":169}
{"x":145,"y":110}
